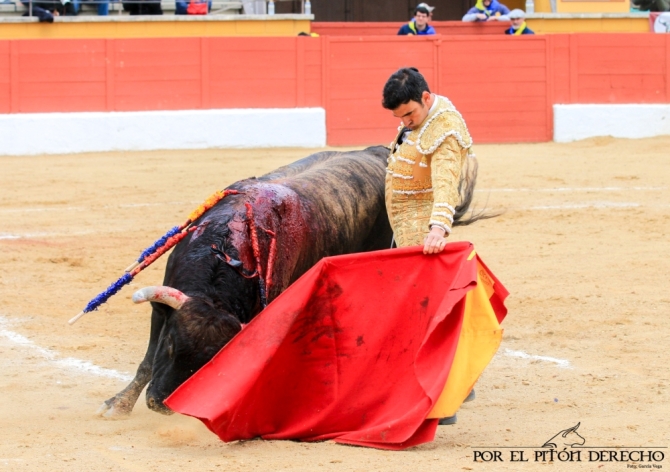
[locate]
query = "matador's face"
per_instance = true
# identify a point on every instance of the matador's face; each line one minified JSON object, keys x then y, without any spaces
{"x":413,"y":113}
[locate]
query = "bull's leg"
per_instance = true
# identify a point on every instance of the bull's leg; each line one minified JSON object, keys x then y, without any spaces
{"x":121,"y":404}
{"x":381,"y":234}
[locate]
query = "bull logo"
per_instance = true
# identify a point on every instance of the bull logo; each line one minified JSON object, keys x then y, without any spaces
{"x":566,"y":438}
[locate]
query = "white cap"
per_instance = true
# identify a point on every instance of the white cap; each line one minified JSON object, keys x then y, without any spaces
{"x":516,"y":13}
{"x":426,"y":6}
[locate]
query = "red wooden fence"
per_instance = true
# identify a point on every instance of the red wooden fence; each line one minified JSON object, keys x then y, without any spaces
{"x":504,"y":86}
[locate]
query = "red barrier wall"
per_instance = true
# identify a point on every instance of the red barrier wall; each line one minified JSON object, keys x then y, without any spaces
{"x":500,"y":87}
{"x":159,"y":74}
{"x":504,"y":87}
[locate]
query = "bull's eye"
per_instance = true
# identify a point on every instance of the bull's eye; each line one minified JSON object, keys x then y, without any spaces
{"x":170,"y":346}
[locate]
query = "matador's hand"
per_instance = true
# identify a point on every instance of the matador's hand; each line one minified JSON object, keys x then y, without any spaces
{"x":434,"y":241}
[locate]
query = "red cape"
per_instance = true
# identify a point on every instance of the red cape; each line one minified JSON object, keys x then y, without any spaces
{"x":357,"y":350}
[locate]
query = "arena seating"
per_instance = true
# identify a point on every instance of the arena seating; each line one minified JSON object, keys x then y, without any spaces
{"x":225,"y":7}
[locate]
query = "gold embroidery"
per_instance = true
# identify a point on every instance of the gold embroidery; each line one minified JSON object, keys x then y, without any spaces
{"x":438,"y":149}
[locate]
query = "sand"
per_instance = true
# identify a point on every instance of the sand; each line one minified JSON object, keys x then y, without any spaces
{"x":582,"y":247}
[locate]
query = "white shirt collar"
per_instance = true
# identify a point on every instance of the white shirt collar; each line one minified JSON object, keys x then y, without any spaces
{"x":432,"y":108}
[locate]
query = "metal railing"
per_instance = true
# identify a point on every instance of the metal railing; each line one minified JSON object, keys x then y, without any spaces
{"x":302,"y":4}
{"x":216,"y":4}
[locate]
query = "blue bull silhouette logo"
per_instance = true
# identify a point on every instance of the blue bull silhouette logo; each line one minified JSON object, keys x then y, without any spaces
{"x":566,"y":438}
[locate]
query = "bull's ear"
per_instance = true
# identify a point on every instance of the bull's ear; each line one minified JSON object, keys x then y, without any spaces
{"x":161,"y":294}
{"x":229,"y":326}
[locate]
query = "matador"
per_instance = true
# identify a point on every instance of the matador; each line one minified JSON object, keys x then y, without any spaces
{"x":430,"y":165}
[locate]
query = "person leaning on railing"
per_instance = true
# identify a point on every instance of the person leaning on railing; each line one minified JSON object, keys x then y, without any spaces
{"x":45,"y":10}
{"x":487,"y":10}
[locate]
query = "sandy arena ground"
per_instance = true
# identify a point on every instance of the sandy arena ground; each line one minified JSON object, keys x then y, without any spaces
{"x":582,"y":246}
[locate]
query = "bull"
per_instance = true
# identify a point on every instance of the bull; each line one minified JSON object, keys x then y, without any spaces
{"x":327,"y":204}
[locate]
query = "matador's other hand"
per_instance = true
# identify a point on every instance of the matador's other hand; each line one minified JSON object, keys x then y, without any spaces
{"x":434,"y":241}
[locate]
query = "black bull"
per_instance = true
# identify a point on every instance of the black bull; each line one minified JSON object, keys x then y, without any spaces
{"x":327,"y":204}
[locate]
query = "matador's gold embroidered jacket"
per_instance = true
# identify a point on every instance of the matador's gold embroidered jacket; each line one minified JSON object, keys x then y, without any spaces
{"x":424,"y":172}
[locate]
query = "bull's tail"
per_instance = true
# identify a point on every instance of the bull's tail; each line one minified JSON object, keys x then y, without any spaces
{"x":466,"y":190}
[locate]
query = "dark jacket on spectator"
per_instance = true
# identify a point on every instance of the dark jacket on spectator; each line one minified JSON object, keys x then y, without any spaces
{"x":410,"y":28}
{"x":526,"y":30}
{"x":50,"y":6}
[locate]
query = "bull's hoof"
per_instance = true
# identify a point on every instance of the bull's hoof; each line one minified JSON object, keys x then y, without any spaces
{"x":157,"y":406}
{"x":447,"y":421}
{"x":114,"y":409}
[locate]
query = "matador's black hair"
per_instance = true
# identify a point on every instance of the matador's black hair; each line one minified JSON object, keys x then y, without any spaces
{"x":404,"y":85}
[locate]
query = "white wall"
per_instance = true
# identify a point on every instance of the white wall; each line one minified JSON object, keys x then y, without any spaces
{"x":572,"y":122}
{"x":62,"y":133}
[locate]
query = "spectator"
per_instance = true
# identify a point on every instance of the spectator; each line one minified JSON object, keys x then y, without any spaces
{"x":419,"y":25}
{"x":487,"y":10}
{"x":43,"y":15}
{"x":518,"y":19}
{"x":430,"y":10}
{"x":45,"y":10}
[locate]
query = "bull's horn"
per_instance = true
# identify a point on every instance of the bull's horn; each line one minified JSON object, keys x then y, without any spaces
{"x":161,"y":294}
